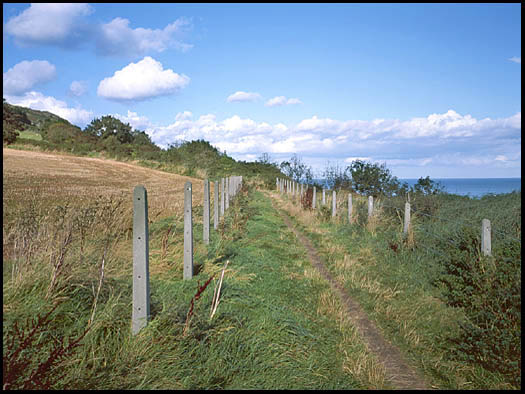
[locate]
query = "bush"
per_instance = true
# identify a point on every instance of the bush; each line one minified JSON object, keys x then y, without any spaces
{"x":489,"y":290}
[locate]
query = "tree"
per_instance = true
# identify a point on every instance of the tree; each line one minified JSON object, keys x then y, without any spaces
{"x":427,"y":186}
{"x":297,"y":170}
{"x":13,"y":121}
{"x":61,"y":133}
{"x":337,"y":177}
{"x":109,"y":126}
{"x":373,"y":179}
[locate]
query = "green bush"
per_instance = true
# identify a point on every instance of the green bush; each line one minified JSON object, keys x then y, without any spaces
{"x":489,"y":291}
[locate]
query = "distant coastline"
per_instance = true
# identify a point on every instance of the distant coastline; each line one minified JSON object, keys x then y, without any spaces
{"x":473,"y":187}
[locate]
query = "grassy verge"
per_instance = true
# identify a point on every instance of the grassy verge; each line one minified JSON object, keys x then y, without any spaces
{"x":277,"y":325}
{"x":395,"y":282}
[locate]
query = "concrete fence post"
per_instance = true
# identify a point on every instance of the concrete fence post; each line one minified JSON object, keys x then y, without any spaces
{"x":188,"y":233}
{"x":226,"y":193}
{"x":370,"y":206}
{"x":222,"y":197}
{"x":216,"y":205}
{"x":314,"y":198}
{"x":141,"y":311}
{"x":324,"y":198}
{"x":349,"y":207}
{"x":485,"y":238}
{"x":407,"y":218}
{"x":206,"y":213}
{"x":334,"y":203}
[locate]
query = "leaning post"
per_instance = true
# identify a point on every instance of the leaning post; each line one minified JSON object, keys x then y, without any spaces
{"x":140,"y":310}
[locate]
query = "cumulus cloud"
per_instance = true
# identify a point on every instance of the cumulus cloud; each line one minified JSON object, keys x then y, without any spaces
{"x":77,"y":88}
{"x":117,"y":38}
{"x":447,"y":140}
{"x":135,"y":120}
{"x":516,"y":59}
{"x":49,"y":23}
{"x":282,"y":100}
{"x":243,"y":97}
{"x":36,"y":100}
{"x":23,"y":76}
{"x":142,"y":80}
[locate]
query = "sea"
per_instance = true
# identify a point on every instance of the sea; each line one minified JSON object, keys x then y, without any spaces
{"x":472,"y":187}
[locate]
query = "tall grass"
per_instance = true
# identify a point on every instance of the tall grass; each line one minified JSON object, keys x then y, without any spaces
{"x":402,"y":281}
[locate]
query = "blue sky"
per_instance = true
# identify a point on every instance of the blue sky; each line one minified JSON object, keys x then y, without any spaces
{"x":429,"y":89}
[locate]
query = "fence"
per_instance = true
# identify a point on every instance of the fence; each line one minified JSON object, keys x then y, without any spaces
{"x":289,"y":187}
{"x":229,"y":187}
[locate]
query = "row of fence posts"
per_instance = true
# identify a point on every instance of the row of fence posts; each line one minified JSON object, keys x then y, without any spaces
{"x":287,"y":186}
{"x":227,"y":188}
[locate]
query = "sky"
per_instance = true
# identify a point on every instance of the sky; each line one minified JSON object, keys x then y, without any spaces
{"x":428,"y":89}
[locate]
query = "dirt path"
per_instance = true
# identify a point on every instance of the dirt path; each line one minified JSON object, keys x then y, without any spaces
{"x":397,"y":369}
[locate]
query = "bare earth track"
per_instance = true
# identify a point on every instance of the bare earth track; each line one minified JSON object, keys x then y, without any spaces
{"x":397,"y":369}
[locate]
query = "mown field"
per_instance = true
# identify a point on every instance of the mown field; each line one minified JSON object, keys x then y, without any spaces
{"x":67,"y":250}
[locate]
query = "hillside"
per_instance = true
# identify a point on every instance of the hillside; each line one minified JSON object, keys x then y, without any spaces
{"x":108,"y":137}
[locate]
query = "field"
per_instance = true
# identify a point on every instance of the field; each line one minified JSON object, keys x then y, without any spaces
{"x":279,"y":323}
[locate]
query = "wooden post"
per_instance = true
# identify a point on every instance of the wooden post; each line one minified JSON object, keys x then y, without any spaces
{"x":188,"y":233}
{"x":334,"y":203}
{"x":313,"y":199}
{"x":349,"y":207}
{"x":485,"y":238}
{"x":140,"y":311}
{"x":370,"y":205}
{"x":216,"y":205}
{"x":407,"y":218}
{"x":206,"y":213}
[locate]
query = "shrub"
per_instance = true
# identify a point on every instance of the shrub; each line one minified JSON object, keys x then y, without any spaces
{"x":489,"y":290}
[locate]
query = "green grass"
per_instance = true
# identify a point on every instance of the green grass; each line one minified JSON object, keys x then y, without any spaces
{"x":274,"y":328}
{"x":400,"y":290}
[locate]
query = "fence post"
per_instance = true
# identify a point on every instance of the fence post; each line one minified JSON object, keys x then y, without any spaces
{"x":334,"y":203}
{"x":324,"y":198}
{"x":226,"y":193}
{"x":313,"y":199}
{"x":206,"y":213}
{"x":407,"y":218}
{"x":188,"y":233}
{"x":485,"y":238}
{"x":349,"y":207}
{"x":216,"y":205}
{"x":222,"y":197}
{"x":140,"y":311}
{"x":370,"y":205}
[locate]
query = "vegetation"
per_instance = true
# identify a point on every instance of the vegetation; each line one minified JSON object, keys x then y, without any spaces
{"x":455,"y":313}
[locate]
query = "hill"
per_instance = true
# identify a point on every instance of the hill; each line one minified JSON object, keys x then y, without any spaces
{"x":108,"y":137}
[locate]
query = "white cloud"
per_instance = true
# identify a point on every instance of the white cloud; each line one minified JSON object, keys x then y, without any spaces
{"x":243,"y":97}
{"x":116,"y":37}
{"x":135,"y":120}
{"x":281,"y":100}
{"x":48,"y":23}
{"x":142,"y":80}
{"x":438,"y":140}
{"x":77,"y":88}
{"x":516,"y":59}
{"x":26,"y":74}
{"x":36,"y":100}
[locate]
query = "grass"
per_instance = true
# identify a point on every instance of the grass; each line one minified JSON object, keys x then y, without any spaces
{"x":277,"y":326}
{"x":397,"y":288}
